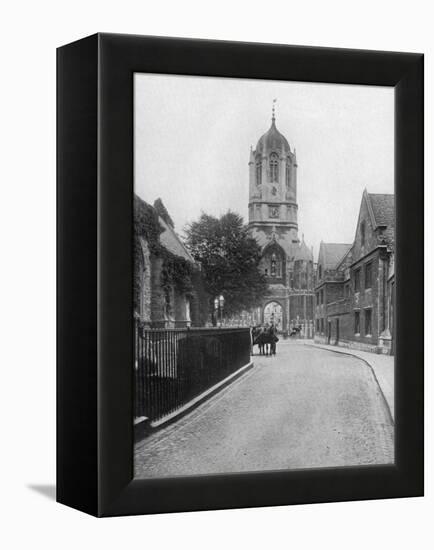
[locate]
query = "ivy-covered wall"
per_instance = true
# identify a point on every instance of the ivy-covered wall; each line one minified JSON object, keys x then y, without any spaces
{"x":172,"y":275}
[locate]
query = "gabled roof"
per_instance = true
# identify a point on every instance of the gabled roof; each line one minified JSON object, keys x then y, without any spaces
{"x":347,"y":257}
{"x":333,"y":253}
{"x":171,"y":242}
{"x":383,"y":208}
{"x":303,"y":253}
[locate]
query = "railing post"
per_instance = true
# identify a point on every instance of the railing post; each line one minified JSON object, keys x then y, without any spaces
{"x":174,"y":365}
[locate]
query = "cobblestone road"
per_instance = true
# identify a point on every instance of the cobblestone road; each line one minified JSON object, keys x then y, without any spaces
{"x":304,"y":408}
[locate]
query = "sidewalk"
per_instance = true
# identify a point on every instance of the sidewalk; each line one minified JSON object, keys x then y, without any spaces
{"x":382,"y":365}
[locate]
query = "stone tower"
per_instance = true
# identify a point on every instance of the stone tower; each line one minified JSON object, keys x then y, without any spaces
{"x":286,"y":262}
{"x":273,"y":188}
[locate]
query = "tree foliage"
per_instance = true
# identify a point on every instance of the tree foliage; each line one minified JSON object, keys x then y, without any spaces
{"x":229,"y":258}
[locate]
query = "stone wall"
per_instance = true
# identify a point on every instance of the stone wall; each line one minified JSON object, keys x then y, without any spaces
{"x":145,"y":295}
{"x":158,"y":298}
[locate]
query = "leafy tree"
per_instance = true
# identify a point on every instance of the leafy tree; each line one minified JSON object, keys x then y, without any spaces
{"x":229,"y":258}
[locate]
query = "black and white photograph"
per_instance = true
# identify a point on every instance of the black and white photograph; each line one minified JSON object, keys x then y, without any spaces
{"x":264,"y":283}
{"x":217,"y":309}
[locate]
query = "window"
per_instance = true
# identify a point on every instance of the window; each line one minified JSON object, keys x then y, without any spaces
{"x":322,"y":325}
{"x":357,"y":322}
{"x":317,"y":325}
{"x":288,"y":173}
{"x":347,"y":290}
{"x":322,"y":296}
{"x":368,"y":322}
{"x":357,"y":280}
{"x":362,"y":233}
{"x":276,"y":266}
{"x":368,"y":275}
{"x":273,"y":264}
{"x":319,"y":271}
{"x":258,"y":172}
{"x":274,"y":167}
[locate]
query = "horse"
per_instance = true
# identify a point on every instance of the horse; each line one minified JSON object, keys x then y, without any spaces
{"x":295,"y":331}
{"x":265,"y":338}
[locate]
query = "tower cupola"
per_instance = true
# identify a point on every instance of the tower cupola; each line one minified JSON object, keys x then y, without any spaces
{"x":272,"y":140}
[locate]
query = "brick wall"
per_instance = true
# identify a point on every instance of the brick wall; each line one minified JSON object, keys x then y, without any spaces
{"x":367,"y":299}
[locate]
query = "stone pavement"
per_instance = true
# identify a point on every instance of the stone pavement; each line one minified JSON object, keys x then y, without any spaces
{"x":382,"y":365}
{"x":304,"y":408}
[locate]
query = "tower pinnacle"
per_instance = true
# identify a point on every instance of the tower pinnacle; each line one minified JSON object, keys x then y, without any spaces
{"x":273,"y":111}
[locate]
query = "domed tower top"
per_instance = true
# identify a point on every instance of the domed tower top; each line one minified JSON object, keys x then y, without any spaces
{"x":272,"y":140}
{"x":273,"y":187}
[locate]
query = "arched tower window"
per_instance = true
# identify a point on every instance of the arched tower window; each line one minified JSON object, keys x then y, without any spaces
{"x":276,"y":266}
{"x":273,"y":262}
{"x":258,"y":172}
{"x":288,"y":173}
{"x":274,"y":167}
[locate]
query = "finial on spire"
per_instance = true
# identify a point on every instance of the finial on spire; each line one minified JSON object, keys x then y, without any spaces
{"x":273,"y":111}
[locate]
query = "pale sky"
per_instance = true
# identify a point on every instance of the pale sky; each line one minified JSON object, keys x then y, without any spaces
{"x":193,"y":138}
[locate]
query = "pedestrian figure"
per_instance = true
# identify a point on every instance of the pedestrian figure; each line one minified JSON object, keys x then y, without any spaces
{"x":273,"y":339}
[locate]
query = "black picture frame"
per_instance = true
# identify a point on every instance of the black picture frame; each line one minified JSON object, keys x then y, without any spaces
{"x":94,"y":273}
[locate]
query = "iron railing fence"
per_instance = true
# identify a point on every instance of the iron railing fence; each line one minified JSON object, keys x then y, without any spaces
{"x":172,"y":366}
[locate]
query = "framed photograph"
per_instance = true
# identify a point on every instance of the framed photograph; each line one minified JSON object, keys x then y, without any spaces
{"x":240,"y":275}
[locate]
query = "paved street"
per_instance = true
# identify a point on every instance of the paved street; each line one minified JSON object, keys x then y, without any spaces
{"x":382,"y":365}
{"x":304,"y":408}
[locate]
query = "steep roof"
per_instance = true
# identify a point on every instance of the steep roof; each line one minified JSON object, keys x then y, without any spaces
{"x":170,"y":240}
{"x":346,"y":258}
{"x":383,"y":208}
{"x":332,"y":253}
{"x":303,"y":253}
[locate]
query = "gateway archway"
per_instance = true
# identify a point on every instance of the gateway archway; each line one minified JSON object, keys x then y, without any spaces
{"x":273,"y":313}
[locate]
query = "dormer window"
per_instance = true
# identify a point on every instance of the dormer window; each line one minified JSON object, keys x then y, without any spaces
{"x":274,"y":167}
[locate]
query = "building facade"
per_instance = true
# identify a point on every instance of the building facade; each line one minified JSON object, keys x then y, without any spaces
{"x":287,"y":261}
{"x":167,"y":281}
{"x":355,"y":283}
